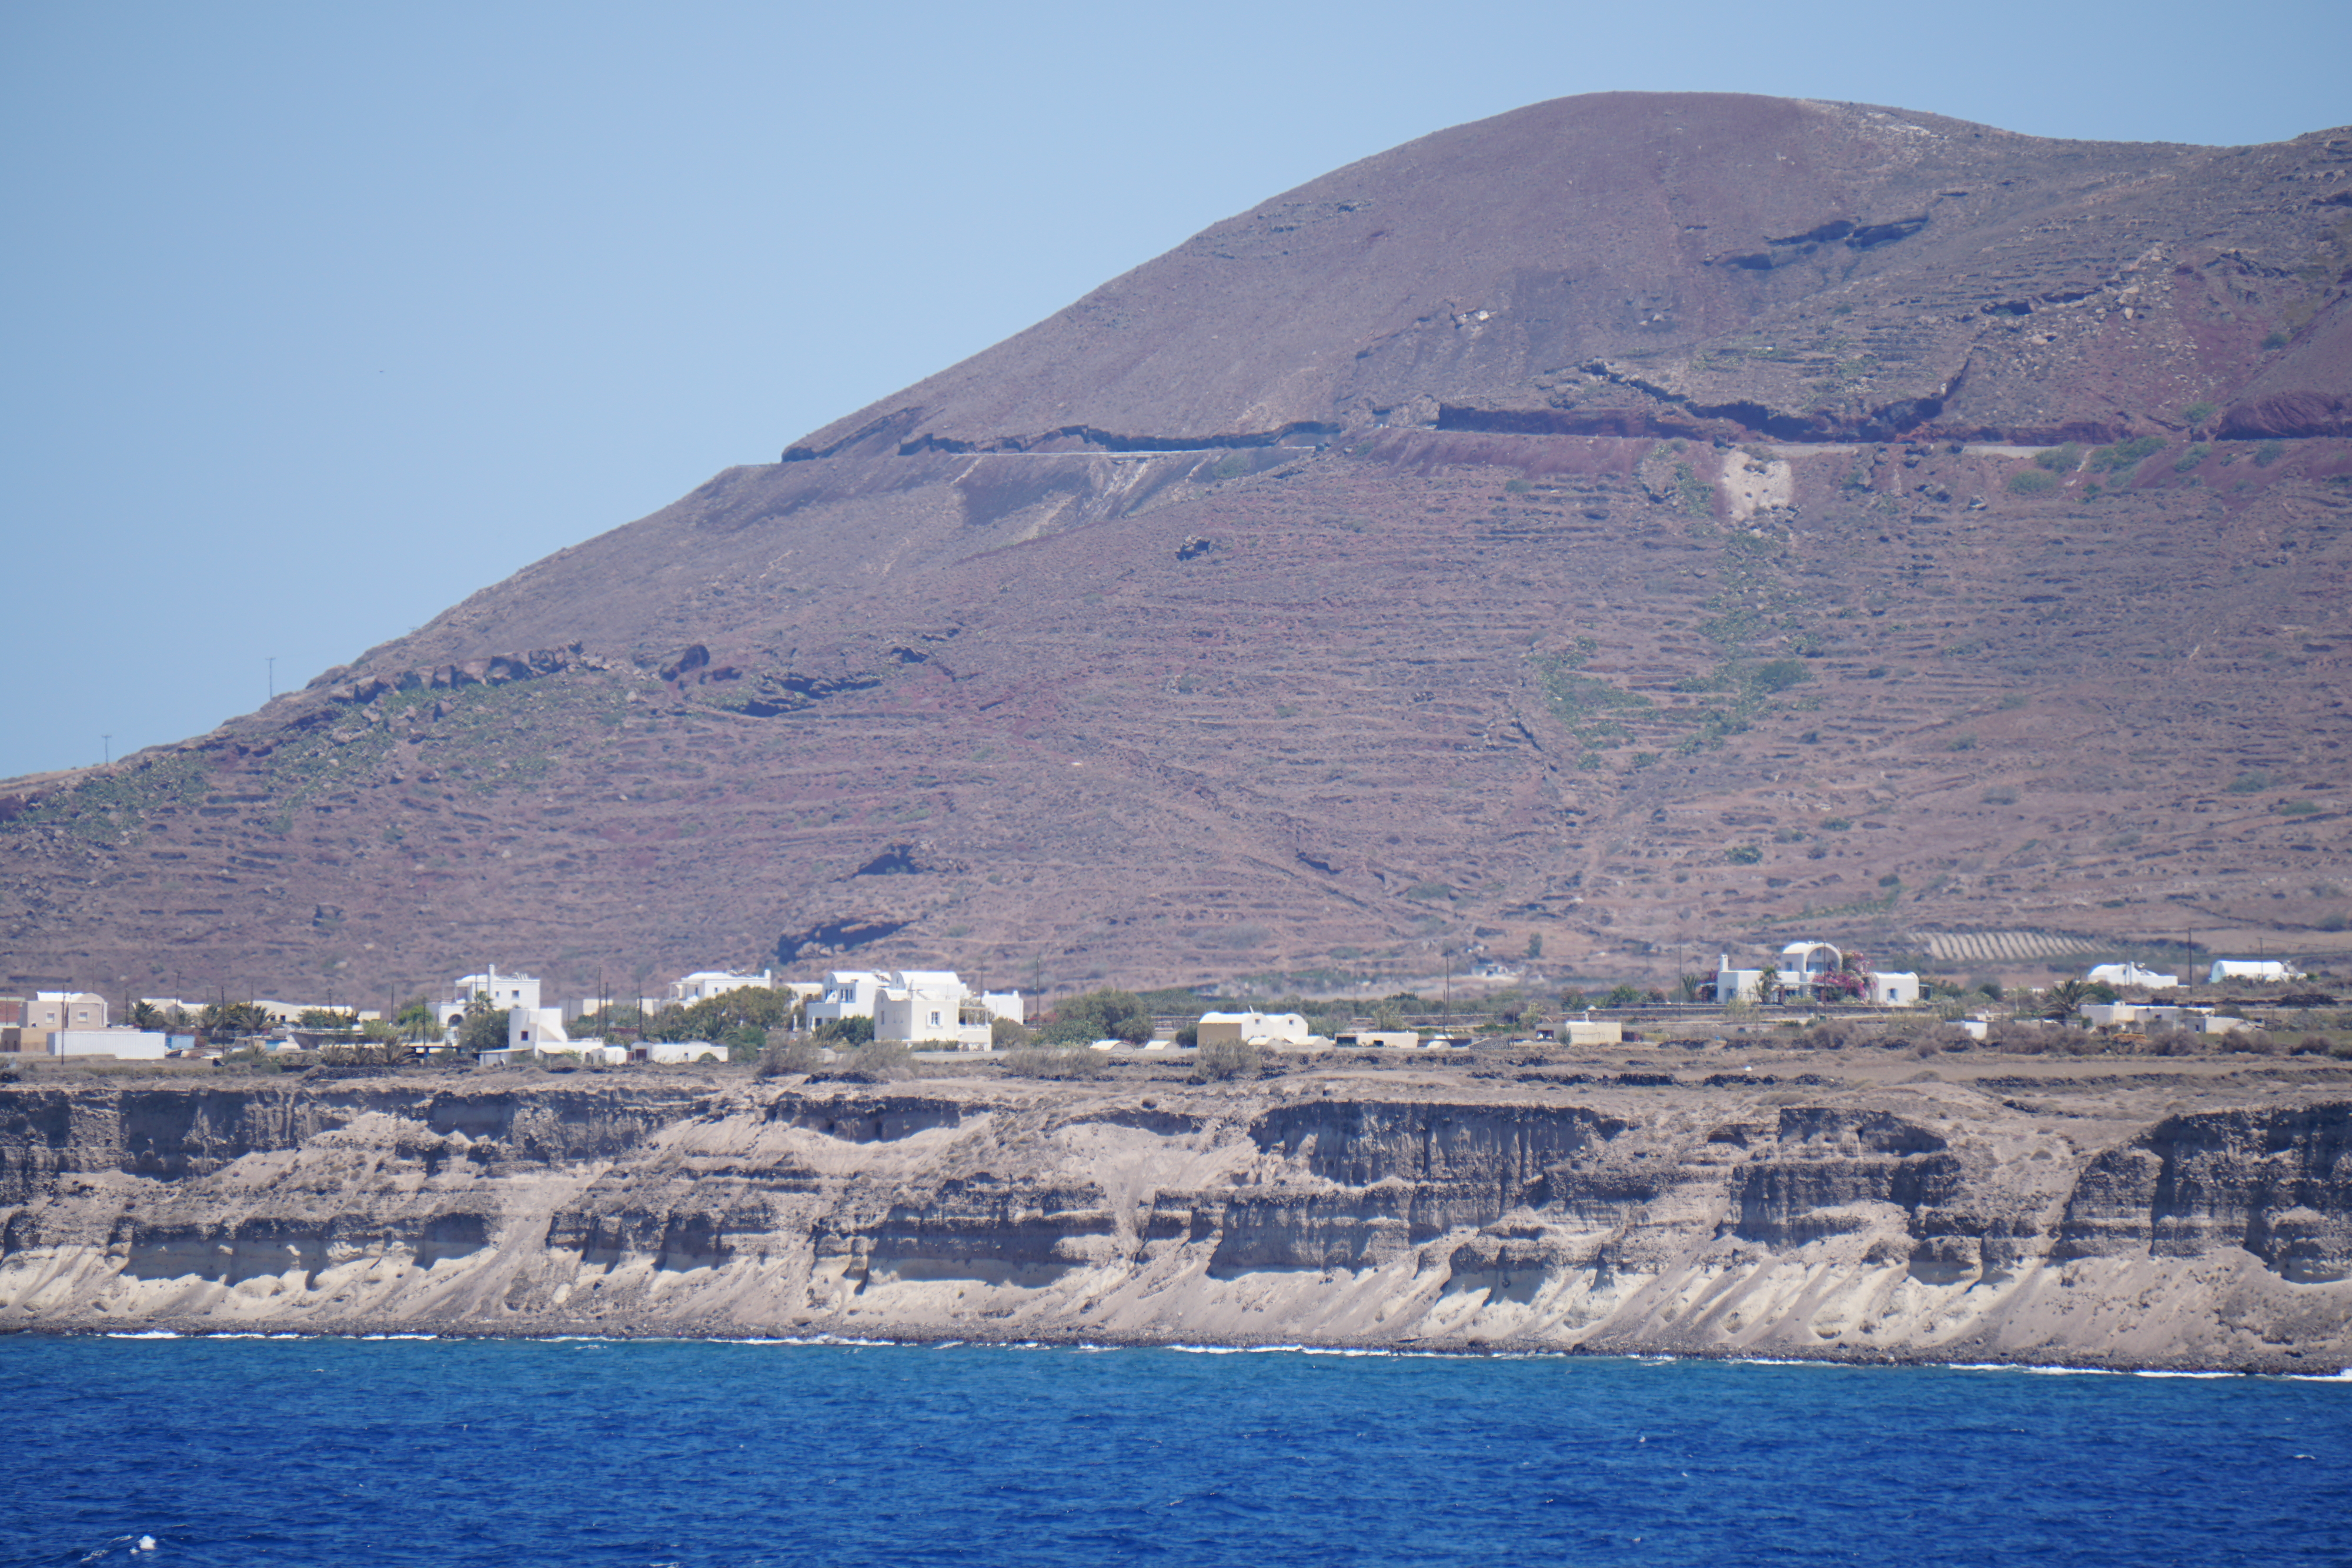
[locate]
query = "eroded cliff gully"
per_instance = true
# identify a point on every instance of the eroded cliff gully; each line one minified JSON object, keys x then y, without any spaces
{"x":1929,"y":1222}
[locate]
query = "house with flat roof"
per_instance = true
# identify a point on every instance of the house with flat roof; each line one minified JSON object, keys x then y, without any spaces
{"x":705,"y":984}
{"x":505,"y":992}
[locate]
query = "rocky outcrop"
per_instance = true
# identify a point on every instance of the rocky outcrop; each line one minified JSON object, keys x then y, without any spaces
{"x":2277,"y":1184}
{"x":1681,"y":1220}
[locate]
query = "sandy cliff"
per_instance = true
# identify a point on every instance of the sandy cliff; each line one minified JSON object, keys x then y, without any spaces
{"x":2040,"y":1220}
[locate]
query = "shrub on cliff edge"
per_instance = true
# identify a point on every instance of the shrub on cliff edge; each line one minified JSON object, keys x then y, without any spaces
{"x":1225,"y":1059}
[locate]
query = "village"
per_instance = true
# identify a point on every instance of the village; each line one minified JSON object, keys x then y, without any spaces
{"x":495,"y":1019}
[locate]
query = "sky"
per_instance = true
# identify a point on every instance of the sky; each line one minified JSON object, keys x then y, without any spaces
{"x":315,"y":320}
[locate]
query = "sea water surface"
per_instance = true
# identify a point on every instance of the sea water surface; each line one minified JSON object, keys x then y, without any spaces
{"x":251,"y":1451}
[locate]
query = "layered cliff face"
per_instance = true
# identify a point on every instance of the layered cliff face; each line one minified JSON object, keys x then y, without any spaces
{"x":1924,"y":1222}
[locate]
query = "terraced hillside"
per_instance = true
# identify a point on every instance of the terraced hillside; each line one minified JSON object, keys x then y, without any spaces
{"x":1561,"y":528}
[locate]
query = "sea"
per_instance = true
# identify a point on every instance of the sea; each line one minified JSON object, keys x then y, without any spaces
{"x":153,"y":1449}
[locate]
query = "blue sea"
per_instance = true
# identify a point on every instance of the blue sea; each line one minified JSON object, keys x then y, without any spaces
{"x":345,"y":1451}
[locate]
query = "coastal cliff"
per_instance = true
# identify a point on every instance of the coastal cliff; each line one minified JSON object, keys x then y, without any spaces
{"x":1930,"y":1220}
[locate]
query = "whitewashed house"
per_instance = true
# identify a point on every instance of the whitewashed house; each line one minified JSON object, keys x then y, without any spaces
{"x":1737,"y":985}
{"x":848,"y":994}
{"x":934,"y":1007}
{"x":673,"y":1051}
{"x":541,"y":1032}
{"x":1253,"y":1028}
{"x":505,"y":992}
{"x":705,"y":984}
{"x":1892,"y":988}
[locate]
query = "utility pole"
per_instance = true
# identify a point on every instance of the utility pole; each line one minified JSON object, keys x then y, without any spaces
{"x":272,"y":663}
{"x":106,"y":741}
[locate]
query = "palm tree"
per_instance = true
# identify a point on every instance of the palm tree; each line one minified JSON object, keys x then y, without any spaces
{"x":2063,"y":998}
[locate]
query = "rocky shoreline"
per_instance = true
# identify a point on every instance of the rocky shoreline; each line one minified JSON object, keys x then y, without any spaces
{"x":2097,"y":1216}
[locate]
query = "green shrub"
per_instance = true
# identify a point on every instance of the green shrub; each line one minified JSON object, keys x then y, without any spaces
{"x":2198,"y":413}
{"x":2032,"y":482}
{"x":1099,"y":1015}
{"x":878,"y":1062}
{"x":789,"y":1053}
{"x":1225,"y":1059}
{"x":2268,"y":452}
{"x":1744,"y":854}
{"x":1835,"y":824}
{"x":1961,"y":743}
{"x":1058,"y":1061}
{"x":2191,"y":457}
{"x":2060,"y":459}
{"x":2123,"y":454}
{"x":2275,"y":339}
{"x":1999,"y":795}
{"x":2249,"y":784}
{"x":2297,"y":809}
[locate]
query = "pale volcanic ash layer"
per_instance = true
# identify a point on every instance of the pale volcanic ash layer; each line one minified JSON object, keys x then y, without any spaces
{"x":2095,"y":1213}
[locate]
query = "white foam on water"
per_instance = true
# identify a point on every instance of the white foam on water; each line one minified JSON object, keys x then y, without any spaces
{"x":162,"y":1333}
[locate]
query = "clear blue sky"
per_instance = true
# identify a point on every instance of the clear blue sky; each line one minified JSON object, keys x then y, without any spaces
{"x":318,"y":317}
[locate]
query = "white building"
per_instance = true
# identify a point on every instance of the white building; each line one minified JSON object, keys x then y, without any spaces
{"x":1737,"y":985}
{"x":917,"y":1006}
{"x":2155,"y":1016}
{"x":705,"y":984}
{"x":1804,"y":965}
{"x":672,"y":1052}
{"x":848,"y":994}
{"x":539,"y":1030}
{"x":1253,"y":1028}
{"x":123,"y":1044}
{"x":1892,"y":988}
{"x":505,"y":992}
{"x":2251,"y":970}
{"x":1380,"y":1040}
{"x":935,"y":1006}
{"x":2130,"y":975}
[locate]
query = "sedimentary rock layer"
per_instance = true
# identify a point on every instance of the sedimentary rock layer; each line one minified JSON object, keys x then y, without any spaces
{"x":1929,"y":1221}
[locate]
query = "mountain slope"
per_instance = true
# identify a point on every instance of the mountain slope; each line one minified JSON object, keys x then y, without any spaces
{"x":1614,"y":523}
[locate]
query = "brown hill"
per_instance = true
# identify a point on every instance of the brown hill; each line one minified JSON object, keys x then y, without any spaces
{"x":1612,"y":523}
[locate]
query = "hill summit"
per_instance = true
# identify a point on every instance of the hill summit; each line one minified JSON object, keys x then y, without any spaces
{"x":1630,"y":527}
